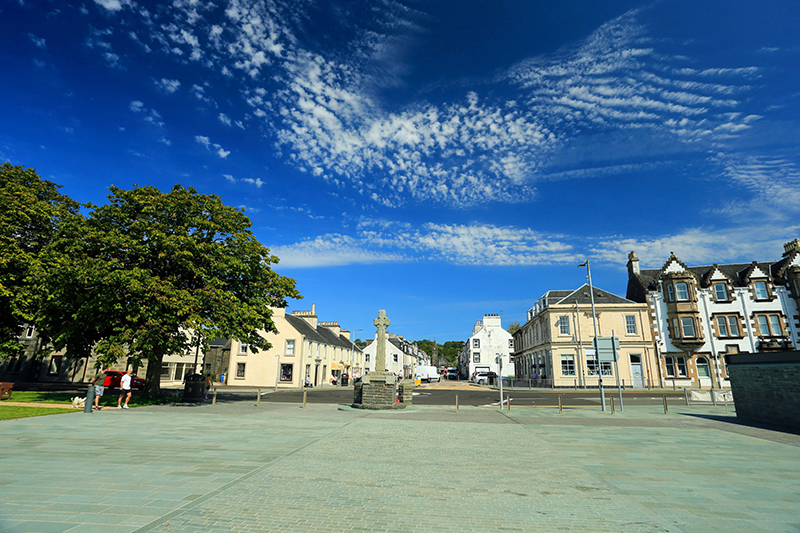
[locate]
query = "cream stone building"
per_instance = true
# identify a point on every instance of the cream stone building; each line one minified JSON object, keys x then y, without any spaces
{"x":302,"y":347}
{"x":555,"y":346}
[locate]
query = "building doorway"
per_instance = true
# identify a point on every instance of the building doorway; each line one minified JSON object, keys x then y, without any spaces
{"x":703,"y":372}
{"x":637,"y":374}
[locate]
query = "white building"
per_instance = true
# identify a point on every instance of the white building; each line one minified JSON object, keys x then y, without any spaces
{"x":699,"y":314}
{"x":402,"y":356}
{"x":488,"y":341}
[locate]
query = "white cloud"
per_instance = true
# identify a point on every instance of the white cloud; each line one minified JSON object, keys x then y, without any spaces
{"x":330,"y":250}
{"x":167,"y":85}
{"x":38,"y":41}
{"x":205,"y":141}
{"x":699,"y":246}
{"x":224,"y":119}
{"x":150,"y":115}
{"x":114,"y":5}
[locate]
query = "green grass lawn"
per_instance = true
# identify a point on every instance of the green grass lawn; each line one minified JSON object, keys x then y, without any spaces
{"x":109,"y":399}
{"x":8,"y":412}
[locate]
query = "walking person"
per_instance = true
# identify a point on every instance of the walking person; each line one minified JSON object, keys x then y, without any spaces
{"x":100,"y":378}
{"x":125,"y":389}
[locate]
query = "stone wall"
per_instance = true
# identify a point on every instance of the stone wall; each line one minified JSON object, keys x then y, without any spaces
{"x":766,"y":387}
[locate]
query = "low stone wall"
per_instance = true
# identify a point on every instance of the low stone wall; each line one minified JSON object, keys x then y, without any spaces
{"x":766,"y":387}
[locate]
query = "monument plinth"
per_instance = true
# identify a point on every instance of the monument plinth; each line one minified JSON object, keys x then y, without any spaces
{"x":379,"y":390}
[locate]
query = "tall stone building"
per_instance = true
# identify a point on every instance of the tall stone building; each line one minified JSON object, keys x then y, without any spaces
{"x":700,"y":313}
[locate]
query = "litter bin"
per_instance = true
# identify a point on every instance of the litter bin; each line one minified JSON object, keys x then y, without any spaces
{"x":345,"y":379}
{"x":195,"y":388}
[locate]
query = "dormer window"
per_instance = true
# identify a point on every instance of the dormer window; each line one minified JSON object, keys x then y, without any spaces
{"x":721,"y":292}
{"x":682,"y":290}
{"x":761,"y":290}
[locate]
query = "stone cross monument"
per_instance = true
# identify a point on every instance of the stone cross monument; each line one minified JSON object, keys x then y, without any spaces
{"x":379,"y":389}
{"x":382,"y":322}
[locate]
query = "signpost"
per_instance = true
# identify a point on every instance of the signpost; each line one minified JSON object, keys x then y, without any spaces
{"x":607,"y":352}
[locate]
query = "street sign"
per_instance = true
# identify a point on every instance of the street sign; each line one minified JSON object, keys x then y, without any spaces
{"x":607,"y":349}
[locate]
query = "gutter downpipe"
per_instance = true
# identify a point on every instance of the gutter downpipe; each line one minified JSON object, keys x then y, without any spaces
{"x":656,"y":306}
{"x":714,"y":352}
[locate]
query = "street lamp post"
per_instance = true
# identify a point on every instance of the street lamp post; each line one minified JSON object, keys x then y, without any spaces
{"x":594,"y":322}
{"x":353,"y":350}
{"x":499,"y":360}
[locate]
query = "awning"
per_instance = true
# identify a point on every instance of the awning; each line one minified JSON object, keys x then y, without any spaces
{"x":336,"y":366}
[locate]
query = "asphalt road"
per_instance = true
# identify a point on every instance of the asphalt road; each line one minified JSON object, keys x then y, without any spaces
{"x":467,"y":395}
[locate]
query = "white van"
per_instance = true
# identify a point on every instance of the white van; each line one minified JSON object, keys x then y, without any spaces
{"x":426,"y":373}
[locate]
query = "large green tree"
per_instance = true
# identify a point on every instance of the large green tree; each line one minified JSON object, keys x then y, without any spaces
{"x":31,"y":210}
{"x":150,"y":273}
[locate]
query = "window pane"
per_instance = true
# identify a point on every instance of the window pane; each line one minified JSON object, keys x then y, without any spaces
{"x":670,"y":366}
{"x":681,"y":366}
{"x":239,"y":370}
{"x":286,"y":372}
{"x":476,"y":357}
{"x":763,"y":327}
{"x":164,"y":370}
{"x":734,"y":326}
{"x":682,"y":290}
{"x":721,"y":291}
{"x":775,"y":323}
{"x":567,"y":365}
{"x":591,"y":365}
{"x":722,"y":326}
{"x":761,"y":290}
{"x":563,"y":325}
{"x":687,"y":325}
{"x":290,"y":347}
{"x":630,"y":324}
{"x":670,"y":293}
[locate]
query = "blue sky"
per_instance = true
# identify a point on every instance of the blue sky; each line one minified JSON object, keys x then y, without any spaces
{"x":437,"y":159}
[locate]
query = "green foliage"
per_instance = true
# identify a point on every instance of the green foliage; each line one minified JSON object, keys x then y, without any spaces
{"x":449,"y":350}
{"x":31,"y":209}
{"x":514,"y":326}
{"x":109,"y":399}
{"x":149,"y":272}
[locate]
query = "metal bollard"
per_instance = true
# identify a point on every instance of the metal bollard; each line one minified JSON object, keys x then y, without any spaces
{"x":304,"y":399}
{"x":214,"y":399}
{"x":559,"y":404}
{"x":509,"y":406}
{"x":258,"y":397}
{"x":686,"y":395}
{"x":713,"y":398}
{"x":456,"y":403}
{"x":87,"y":407}
{"x":666,"y":410}
{"x":612,"y":405}
{"x":725,"y":398}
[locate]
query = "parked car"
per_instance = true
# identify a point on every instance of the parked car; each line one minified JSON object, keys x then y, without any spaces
{"x":452,"y":374}
{"x":481,"y":378}
{"x":113,"y":378}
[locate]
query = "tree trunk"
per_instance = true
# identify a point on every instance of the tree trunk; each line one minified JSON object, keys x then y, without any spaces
{"x":152,"y":382}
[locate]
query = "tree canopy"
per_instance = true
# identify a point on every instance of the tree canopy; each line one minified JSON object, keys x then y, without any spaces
{"x":31,"y":210}
{"x":154,"y":273}
{"x":449,"y":350}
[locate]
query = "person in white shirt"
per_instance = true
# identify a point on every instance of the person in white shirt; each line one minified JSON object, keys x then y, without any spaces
{"x":124,"y":389}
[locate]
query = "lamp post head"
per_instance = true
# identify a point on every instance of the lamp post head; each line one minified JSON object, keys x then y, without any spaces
{"x":583,"y":264}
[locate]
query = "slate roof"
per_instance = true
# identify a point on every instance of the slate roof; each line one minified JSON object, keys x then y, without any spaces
{"x":305,"y":329}
{"x":582,"y":296}
{"x":737,"y":273}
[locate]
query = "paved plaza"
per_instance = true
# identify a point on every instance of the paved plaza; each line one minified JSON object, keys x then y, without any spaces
{"x":236,"y":467}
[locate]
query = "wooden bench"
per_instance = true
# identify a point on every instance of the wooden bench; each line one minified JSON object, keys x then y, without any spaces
{"x":5,"y":391}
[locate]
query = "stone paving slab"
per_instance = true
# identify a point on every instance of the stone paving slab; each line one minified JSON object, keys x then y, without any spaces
{"x":277,"y":467}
